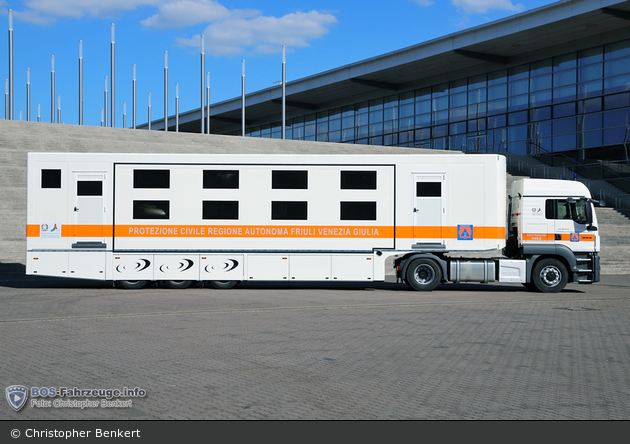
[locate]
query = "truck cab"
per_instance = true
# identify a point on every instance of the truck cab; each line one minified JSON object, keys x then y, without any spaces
{"x":553,"y":226}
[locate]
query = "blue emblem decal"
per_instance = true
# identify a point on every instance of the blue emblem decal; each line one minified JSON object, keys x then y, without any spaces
{"x":464,"y":232}
{"x":17,"y":396}
{"x":575,"y":237}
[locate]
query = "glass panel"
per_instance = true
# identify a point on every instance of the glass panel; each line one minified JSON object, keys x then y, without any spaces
{"x":390,"y":126}
{"x":540,"y":98}
{"x":334,"y":125}
{"x":519,"y":72}
{"x":458,"y":99}
{"x":440,"y":103}
{"x":421,"y":108}
{"x":590,"y":105}
{"x":458,"y":86}
{"x":309,"y":130}
{"x":541,"y":114}
{"x":362,"y":119}
{"x":358,"y":180}
{"x":589,"y":89}
{"x":517,"y":133}
{"x":440,"y":90}
{"x":334,"y":136}
{"x":347,"y":134}
{"x":540,"y":82}
{"x":497,"y":91}
{"x":564,"y":110}
{"x":51,"y":179}
{"x":564,"y":126}
{"x":220,"y":209}
{"x":151,"y":209}
{"x":497,"y":106}
{"x":590,"y":55}
{"x":375,"y":129}
{"x":590,"y":72}
{"x":358,"y":211}
{"x":564,"y":61}
{"x":477,"y":110}
{"x":423,"y":120}
{"x":457,"y":128}
{"x":428,"y":189}
{"x":616,"y":84}
{"x":590,"y":139}
{"x":563,"y":94}
{"x":618,"y":49}
{"x":289,"y":210}
{"x":347,"y":122}
{"x":591,"y":122}
{"x":517,"y":118}
{"x":497,"y":121}
{"x":616,"y":118}
{"x":289,"y":180}
{"x":376,"y":104}
{"x":562,"y":78}
{"x":322,"y":127}
{"x":616,"y":101}
{"x":423,"y":94}
{"x":376,"y":116}
{"x":440,"y":117}
{"x":458,"y":113}
{"x":477,"y":95}
{"x":614,"y":136}
{"x":151,"y":178}
{"x":617,"y":66}
{"x":541,"y":67}
{"x":362,"y":131}
{"x":220,"y":178}
{"x":497,"y":77}
{"x":390,"y":113}
{"x":476,"y":82}
{"x":518,"y":102}
{"x":89,"y":188}
{"x":564,"y":143}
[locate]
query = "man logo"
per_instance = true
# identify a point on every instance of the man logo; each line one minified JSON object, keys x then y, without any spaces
{"x":17,"y":396}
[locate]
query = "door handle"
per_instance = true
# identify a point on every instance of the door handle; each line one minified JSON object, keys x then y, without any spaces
{"x":415,"y":210}
{"x":76,"y":209}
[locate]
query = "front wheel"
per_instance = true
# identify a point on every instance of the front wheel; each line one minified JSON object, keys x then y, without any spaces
{"x":424,"y":274}
{"x":550,"y":276}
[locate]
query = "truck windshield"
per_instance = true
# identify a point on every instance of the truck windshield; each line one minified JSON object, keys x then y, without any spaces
{"x":566,"y":210}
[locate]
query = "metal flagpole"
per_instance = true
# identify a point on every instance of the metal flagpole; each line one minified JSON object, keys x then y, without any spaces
{"x":52,"y":90}
{"x":177,"y":107}
{"x":208,"y":103}
{"x":149,"y":111}
{"x":10,"y":64}
{"x":243,"y":100}
{"x":6,"y":99}
{"x":165,"y":90}
{"x":105,"y":107}
{"x":113,"y":79}
{"x":58,"y":109}
{"x":134,"y":97}
{"x":203,"y":68}
{"x":28,"y":94}
{"x":124,"y":114}
{"x":80,"y":82}
{"x":284,"y":91}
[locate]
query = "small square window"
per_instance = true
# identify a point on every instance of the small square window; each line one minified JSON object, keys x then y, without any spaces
{"x":358,"y":180}
{"x":89,"y":188}
{"x":428,"y":189}
{"x":151,"y":209}
{"x":51,"y":178}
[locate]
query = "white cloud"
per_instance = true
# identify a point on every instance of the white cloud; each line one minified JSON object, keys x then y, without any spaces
{"x":182,"y":13}
{"x":262,"y":34}
{"x":48,"y":11}
{"x":483,"y":6}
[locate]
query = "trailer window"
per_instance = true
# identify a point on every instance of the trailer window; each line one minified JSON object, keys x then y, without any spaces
{"x":51,"y":178}
{"x":289,"y":180}
{"x":220,"y":178}
{"x":358,"y":210}
{"x":358,"y":180}
{"x":564,"y":210}
{"x":151,"y":178}
{"x":151,"y":209}
{"x":288,"y":210}
{"x":428,"y":189}
{"x":220,"y":209}
{"x":89,"y":188}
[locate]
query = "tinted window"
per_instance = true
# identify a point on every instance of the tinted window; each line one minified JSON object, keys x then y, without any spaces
{"x":51,"y":178}
{"x":289,"y":180}
{"x":428,"y":189}
{"x":565,"y":210}
{"x":288,"y":210}
{"x":358,"y":180}
{"x":220,"y":179}
{"x":151,"y":178}
{"x":151,"y":209}
{"x":220,"y":209}
{"x":358,"y":210}
{"x":89,"y":188}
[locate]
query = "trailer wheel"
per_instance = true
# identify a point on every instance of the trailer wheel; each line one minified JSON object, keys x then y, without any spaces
{"x":424,"y":274}
{"x":550,"y":276}
{"x":131,"y":285}
{"x":178,"y":285}
{"x":223,"y":285}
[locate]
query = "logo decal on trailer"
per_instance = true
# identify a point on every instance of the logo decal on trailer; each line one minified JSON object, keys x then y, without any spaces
{"x":575,"y":237}
{"x":464,"y":232}
{"x":181,"y":266}
{"x":228,"y":265}
{"x":138,"y":266}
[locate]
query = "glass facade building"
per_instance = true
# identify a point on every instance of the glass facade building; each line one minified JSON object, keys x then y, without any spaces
{"x":577,"y":103}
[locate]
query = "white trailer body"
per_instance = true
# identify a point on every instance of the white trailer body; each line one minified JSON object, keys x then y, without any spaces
{"x":135,"y":218}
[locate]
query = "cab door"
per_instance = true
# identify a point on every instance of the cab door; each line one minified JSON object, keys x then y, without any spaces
{"x":570,"y":224}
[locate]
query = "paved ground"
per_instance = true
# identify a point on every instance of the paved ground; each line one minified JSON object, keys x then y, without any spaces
{"x":322,"y":352}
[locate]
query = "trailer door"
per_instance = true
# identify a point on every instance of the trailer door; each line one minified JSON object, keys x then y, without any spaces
{"x":428,"y":208}
{"x":89,"y":207}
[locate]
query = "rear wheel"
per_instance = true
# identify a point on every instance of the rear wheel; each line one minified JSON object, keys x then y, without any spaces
{"x":178,"y":285}
{"x":424,"y":274}
{"x":550,"y":276}
{"x":131,"y":285}
{"x":223,"y":285}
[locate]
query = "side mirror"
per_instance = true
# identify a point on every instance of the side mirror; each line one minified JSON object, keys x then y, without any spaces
{"x":589,"y":213}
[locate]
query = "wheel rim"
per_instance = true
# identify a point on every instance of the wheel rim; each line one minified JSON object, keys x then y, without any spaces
{"x":550,"y":276}
{"x":424,"y":274}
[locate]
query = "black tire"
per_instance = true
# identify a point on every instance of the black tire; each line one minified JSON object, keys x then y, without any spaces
{"x":178,"y":285}
{"x":131,"y":285}
{"x":424,"y":274}
{"x":223,"y":285}
{"x":550,"y":276}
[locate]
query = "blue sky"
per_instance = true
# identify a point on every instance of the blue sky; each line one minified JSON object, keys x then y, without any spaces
{"x":319,"y":35}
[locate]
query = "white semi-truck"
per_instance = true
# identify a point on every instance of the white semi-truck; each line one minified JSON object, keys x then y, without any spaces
{"x":223,"y":219}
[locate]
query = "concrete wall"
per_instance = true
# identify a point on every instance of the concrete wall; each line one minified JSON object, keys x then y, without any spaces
{"x":19,"y":138}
